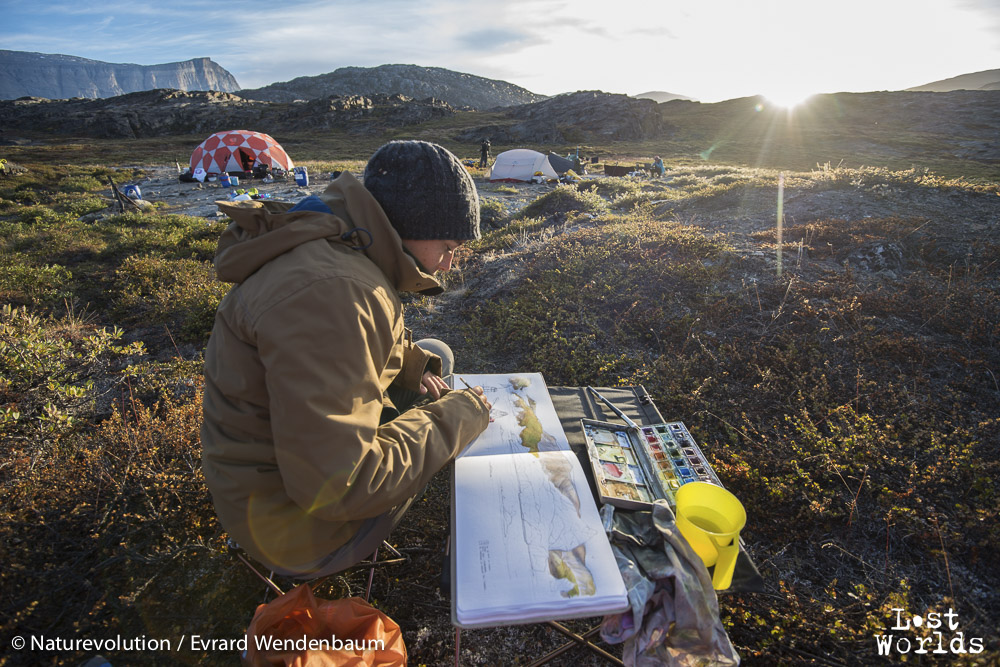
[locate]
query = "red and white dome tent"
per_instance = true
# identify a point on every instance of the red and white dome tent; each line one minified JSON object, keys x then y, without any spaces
{"x":239,"y":151}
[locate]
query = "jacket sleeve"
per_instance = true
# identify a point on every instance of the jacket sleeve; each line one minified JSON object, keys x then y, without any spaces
{"x":323,"y":350}
{"x":416,"y":361}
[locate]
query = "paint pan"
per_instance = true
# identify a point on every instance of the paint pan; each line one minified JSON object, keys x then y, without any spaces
{"x":616,"y":471}
{"x":610,"y":453}
{"x":644,"y":494}
{"x":621,"y":492}
{"x":603,"y":437}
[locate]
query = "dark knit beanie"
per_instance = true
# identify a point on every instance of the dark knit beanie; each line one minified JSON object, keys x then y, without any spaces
{"x":424,"y":190}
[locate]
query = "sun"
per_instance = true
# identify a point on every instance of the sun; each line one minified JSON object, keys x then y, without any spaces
{"x":788,"y":98}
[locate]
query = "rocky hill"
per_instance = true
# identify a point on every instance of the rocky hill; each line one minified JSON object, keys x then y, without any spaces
{"x":455,"y":88}
{"x":958,"y":125}
{"x":591,"y":116}
{"x":956,"y":129}
{"x":662,"y":96}
{"x":156,"y":113}
{"x":583,"y":116}
{"x":53,"y":76}
{"x":985,"y":80}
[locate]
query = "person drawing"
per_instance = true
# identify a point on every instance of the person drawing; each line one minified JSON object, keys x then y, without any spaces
{"x":322,"y":420}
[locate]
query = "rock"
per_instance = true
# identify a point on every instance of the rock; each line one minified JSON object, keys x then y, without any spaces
{"x":881,"y":257}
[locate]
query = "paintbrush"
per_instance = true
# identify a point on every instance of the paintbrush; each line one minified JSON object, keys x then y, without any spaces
{"x":469,"y":386}
{"x":611,"y":405}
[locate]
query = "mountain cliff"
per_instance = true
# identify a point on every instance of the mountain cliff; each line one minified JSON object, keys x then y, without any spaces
{"x":455,"y":88}
{"x":53,"y":76}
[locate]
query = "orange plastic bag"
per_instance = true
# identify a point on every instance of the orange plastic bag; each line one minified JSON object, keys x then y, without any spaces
{"x":297,"y":630}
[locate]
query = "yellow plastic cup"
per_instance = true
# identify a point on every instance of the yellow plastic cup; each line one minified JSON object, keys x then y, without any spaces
{"x":710,"y":519}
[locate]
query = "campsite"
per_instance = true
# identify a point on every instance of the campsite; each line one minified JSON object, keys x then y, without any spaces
{"x":839,"y":374}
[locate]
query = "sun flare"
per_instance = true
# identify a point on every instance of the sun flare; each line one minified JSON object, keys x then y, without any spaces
{"x":788,"y":98}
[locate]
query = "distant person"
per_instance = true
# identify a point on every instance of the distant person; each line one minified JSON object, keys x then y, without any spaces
{"x":484,"y":153}
{"x":658,"y":169}
{"x":323,"y":420}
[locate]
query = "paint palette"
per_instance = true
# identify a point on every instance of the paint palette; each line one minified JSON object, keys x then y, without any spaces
{"x":635,"y":466}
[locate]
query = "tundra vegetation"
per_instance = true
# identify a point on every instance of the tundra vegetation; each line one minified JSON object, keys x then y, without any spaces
{"x":851,"y":401}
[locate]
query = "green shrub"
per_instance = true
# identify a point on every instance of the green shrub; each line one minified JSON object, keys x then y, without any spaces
{"x":321,"y":170}
{"x":613,"y":187}
{"x":683,"y":180}
{"x":181,"y":294}
{"x":78,"y":183}
{"x":25,"y":196}
{"x":40,"y":215}
{"x":727,"y":179}
{"x":24,"y":283}
{"x":492,"y":212}
{"x":65,"y":243}
{"x":172,"y":236}
{"x":46,"y":369}
{"x":877,"y":179}
{"x":77,"y":205}
{"x":565,"y":199}
{"x":711,"y":172}
{"x":518,"y":232}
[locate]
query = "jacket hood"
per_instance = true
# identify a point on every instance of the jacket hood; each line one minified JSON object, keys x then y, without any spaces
{"x":262,"y":230}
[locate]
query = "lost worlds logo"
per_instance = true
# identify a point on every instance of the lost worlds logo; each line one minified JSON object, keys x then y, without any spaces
{"x":944,"y":638}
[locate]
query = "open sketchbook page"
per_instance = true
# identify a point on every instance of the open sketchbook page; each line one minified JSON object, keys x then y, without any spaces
{"x":529,"y":544}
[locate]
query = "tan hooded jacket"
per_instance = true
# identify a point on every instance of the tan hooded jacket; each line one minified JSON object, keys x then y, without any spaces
{"x":303,"y":350}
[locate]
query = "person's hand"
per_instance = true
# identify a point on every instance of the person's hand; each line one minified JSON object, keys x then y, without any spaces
{"x":432,"y":384}
{"x":478,"y":391}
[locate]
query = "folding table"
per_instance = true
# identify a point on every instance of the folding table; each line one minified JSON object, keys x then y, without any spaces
{"x":573,"y":404}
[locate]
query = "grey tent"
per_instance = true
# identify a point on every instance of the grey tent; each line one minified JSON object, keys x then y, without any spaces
{"x":560,"y":164}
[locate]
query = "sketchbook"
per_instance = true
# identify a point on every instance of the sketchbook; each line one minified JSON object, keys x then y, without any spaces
{"x":527,"y":543}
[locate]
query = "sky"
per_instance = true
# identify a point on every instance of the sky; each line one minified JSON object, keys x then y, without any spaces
{"x":709,"y":50}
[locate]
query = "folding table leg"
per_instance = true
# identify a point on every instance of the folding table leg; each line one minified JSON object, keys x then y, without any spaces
{"x":578,"y":640}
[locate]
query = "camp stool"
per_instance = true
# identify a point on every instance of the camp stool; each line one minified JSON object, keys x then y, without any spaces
{"x":372,"y":565}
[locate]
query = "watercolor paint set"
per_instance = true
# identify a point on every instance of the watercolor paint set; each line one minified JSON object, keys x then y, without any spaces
{"x":636,"y":464}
